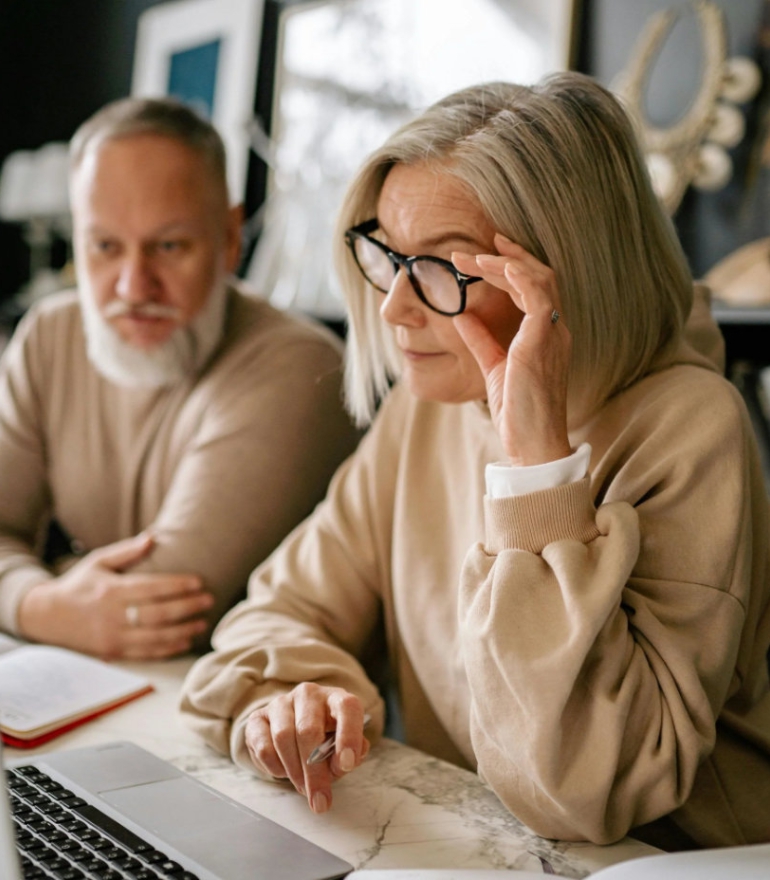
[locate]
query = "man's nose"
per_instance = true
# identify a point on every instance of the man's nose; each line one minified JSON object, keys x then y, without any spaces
{"x":401,"y":304}
{"x":136,"y":281}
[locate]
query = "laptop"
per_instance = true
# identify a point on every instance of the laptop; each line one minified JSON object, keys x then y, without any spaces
{"x":117,"y":812}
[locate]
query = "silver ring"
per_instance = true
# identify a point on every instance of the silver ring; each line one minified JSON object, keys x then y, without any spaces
{"x":555,"y":316}
{"x":132,"y":615}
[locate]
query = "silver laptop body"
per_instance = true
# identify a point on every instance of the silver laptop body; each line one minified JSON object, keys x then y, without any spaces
{"x":211,"y":836}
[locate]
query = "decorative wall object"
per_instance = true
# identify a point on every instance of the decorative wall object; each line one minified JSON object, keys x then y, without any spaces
{"x":694,"y":150}
{"x":350,"y":72}
{"x":742,"y":278}
{"x":205,"y":52}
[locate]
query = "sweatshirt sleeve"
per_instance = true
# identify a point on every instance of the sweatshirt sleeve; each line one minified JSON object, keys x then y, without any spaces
{"x":310,"y":611}
{"x":273,"y":434}
{"x":24,"y":491}
{"x":600,"y":638}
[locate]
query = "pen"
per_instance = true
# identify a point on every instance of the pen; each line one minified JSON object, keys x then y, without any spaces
{"x":326,"y":749}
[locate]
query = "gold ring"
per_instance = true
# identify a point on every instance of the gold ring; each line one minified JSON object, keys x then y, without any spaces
{"x":132,"y":615}
{"x":555,"y":316}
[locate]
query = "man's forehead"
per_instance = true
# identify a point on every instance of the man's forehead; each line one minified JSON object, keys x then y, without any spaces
{"x":126,"y":183}
{"x":144,"y":157}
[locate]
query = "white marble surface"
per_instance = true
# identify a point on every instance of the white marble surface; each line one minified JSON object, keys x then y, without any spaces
{"x":401,"y":809}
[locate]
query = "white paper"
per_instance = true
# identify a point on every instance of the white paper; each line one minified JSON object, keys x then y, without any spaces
{"x":42,"y":686}
{"x":9,"y":643}
{"x":730,"y":863}
{"x":442,"y":874}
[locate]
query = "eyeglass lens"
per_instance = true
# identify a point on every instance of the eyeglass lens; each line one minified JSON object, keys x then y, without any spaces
{"x":437,"y":284}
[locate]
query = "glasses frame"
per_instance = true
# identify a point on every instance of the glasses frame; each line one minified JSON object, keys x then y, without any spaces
{"x":399,"y":261}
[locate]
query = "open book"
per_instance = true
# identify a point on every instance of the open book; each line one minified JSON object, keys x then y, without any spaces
{"x":46,"y":691}
{"x":730,"y":863}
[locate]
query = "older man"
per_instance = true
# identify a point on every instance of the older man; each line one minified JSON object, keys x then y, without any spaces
{"x":173,"y":427}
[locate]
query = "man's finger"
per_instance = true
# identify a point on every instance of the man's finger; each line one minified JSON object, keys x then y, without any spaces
{"x":146,"y":638}
{"x":158,"y":587}
{"x":123,"y":554}
{"x":170,"y":611}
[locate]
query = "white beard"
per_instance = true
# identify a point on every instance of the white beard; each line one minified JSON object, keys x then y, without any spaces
{"x":182,"y":355}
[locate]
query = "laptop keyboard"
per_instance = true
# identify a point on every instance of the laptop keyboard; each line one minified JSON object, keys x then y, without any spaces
{"x":59,"y":835}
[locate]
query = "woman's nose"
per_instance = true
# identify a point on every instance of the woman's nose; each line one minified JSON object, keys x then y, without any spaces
{"x":401,"y":304}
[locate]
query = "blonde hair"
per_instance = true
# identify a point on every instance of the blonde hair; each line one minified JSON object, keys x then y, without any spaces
{"x":555,"y":167}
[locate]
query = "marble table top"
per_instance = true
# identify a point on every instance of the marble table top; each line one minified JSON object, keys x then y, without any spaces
{"x":400,"y":809}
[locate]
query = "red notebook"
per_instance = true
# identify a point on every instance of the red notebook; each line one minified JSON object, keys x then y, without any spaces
{"x":46,"y":691}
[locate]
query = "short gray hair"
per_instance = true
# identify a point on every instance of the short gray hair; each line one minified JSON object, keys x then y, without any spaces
{"x":556,"y":167}
{"x":166,"y":117}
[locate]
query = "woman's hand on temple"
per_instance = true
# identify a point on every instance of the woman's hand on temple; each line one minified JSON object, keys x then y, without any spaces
{"x":281,"y":736}
{"x":527,"y":383}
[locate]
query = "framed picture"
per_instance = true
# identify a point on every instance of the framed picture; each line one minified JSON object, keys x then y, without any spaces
{"x":351,"y":71}
{"x":205,"y":52}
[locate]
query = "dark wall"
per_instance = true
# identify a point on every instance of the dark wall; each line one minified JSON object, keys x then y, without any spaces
{"x":60,"y":62}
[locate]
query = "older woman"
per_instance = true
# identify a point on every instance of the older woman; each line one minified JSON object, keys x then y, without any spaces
{"x":558,"y":511}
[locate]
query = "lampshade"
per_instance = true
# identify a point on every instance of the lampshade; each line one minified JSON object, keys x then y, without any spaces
{"x":34,"y":183}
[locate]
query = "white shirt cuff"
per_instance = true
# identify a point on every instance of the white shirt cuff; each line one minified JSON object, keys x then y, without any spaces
{"x":504,"y":480}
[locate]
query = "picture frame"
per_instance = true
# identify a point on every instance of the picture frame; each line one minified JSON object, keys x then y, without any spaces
{"x":206,"y":53}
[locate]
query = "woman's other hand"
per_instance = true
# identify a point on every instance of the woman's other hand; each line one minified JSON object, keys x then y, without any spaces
{"x":281,"y":736}
{"x":527,"y":383}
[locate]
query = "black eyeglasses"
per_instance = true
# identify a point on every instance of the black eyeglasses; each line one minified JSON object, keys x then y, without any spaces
{"x":435,"y":281}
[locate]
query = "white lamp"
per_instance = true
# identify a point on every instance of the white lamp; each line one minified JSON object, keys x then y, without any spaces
{"x":34,"y":193}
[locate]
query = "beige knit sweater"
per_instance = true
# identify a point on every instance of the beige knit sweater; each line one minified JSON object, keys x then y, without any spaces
{"x":221,"y":466}
{"x":597,"y":651}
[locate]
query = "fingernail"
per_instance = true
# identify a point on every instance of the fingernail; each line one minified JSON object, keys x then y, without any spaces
{"x":320,"y":802}
{"x":347,"y":760}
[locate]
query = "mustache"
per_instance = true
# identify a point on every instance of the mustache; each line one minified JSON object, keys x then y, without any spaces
{"x":118,"y":309}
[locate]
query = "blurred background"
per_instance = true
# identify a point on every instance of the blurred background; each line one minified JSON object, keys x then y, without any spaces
{"x":315,"y":85}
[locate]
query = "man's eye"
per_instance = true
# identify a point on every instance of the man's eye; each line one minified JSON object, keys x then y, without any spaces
{"x":171,"y":246}
{"x":105,"y":246}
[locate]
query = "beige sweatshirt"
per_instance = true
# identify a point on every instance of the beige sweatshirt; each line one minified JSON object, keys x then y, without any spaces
{"x":596,"y":651}
{"x":221,"y":466}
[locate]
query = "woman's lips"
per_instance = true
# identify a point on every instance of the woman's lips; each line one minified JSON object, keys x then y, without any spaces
{"x":412,"y":355}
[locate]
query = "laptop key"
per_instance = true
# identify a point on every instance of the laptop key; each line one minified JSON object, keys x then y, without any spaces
{"x":153,"y":856}
{"x":113,"y":829}
{"x":55,"y":864}
{"x":69,"y":873}
{"x":30,"y":772}
{"x":94,"y":865}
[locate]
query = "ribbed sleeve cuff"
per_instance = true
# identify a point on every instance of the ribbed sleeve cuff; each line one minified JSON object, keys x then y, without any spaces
{"x":531,"y":522}
{"x":14,"y":586}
